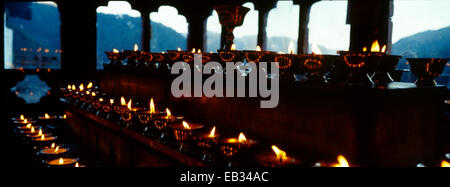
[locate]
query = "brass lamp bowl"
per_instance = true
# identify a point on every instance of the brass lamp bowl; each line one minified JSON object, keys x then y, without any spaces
{"x":230,"y":56}
{"x":175,"y":55}
{"x":426,"y":69}
{"x":161,"y":123}
{"x":315,"y":66}
{"x":359,"y":67}
{"x":230,"y":16}
{"x":384,"y":65}
{"x":183,"y":135}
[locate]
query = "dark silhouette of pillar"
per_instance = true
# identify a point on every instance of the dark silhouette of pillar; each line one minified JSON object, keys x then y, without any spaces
{"x":303,"y":30}
{"x":197,"y":18}
{"x":263,"y":8}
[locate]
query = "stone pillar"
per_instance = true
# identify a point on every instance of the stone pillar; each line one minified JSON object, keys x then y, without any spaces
{"x":146,"y":30}
{"x":303,"y":30}
{"x":197,"y":19}
{"x":263,"y":9}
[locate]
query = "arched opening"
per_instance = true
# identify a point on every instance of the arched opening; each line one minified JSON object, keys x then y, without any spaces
{"x":214,"y":30}
{"x":282,"y":26}
{"x":169,"y":29}
{"x":421,"y":29}
{"x":245,"y":35}
{"x":328,"y":31}
{"x":118,"y":27}
{"x":27,"y":43}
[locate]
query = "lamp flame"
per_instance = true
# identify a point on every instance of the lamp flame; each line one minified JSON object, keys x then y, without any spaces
{"x":32,"y":130}
{"x":445,"y":164}
{"x":26,"y":121}
{"x":383,"y":49}
{"x":64,"y":116}
{"x":122,"y":101}
{"x":56,"y":149}
{"x":242,"y":138}
{"x":115,"y":51}
{"x":152,"y":107}
{"x":81,"y":87}
{"x":89,"y":85}
{"x":342,"y":162}
{"x":199,"y":51}
{"x":111,"y":101}
{"x":212,"y":133}
{"x":73,"y":87}
{"x":186,"y":125}
{"x":136,"y":48}
{"x":40,"y":132}
{"x":364,"y":49}
{"x":61,"y":161}
{"x":179,"y":49}
{"x":88,"y":92}
{"x":21,"y":117}
{"x":168,"y":113}
{"x":193,"y":50}
{"x":315,"y":49}
{"x":53,"y":145}
{"x":233,"y":47}
{"x":28,"y":125}
{"x":375,"y":47}
{"x":69,"y":87}
{"x":46,"y":116}
{"x":93,"y":94}
{"x":100,"y":99}
{"x":76,"y":165}
{"x":42,"y":137}
{"x":129,"y":105}
{"x":291,"y":47}
{"x":258,"y":48}
{"x":281,"y":155}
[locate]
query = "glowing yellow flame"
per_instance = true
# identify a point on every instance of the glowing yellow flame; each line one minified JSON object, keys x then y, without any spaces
{"x":383,"y":49}
{"x":81,"y":87}
{"x":281,"y":155}
{"x":136,"y":48}
{"x":168,"y":114}
{"x":258,"y":48}
{"x":212,"y":133}
{"x":152,"y":107}
{"x":26,"y":121}
{"x":73,"y":87}
{"x":242,"y":138}
{"x":179,"y":49}
{"x":88,"y":92}
{"x":199,"y":51}
{"x":364,"y":49}
{"x":342,"y":162}
{"x":100,"y":99}
{"x":56,"y":149}
{"x":76,"y":165}
{"x":122,"y":101}
{"x":61,"y":161}
{"x":375,"y":47}
{"x":42,"y":137}
{"x":89,"y":85}
{"x":64,"y":116}
{"x":233,"y":47}
{"x":40,"y":132}
{"x":315,"y":49}
{"x":46,"y":116}
{"x":193,"y":50}
{"x":115,"y":51}
{"x":129,"y":105}
{"x":445,"y":164}
{"x":53,"y":145}
{"x":93,"y":94}
{"x":111,"y":101}
{"x":291,"y":47}
{"x":186,"y":125}
{"x":21,"y":117}
{"x":32,"y":130}
{"x":69,"y":87}
{"x":28,"y":125}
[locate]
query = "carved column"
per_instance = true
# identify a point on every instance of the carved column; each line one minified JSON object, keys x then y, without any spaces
{"x":263,"y":8}
{"x":303,"y":30}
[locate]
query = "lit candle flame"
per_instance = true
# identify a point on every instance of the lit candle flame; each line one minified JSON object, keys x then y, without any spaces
{"x":26,"y":121}
{"x":129,"y":105}
{"x":61,"y":161}
{"x":64,"y":116}
{"x":364,"y":49}
{"x":69,"y":87}
{"x":42,"y":137}
{"x":383,"y":49}
{"x":375,"y":47}
{"x":445,"y":164}
{"x":258,"y":48}
{"x":21,"y":117}
{"x":342,"y":162}
{"x":40,"y":132}
{"x":168,"y":114}
{"x":136,"y":48}
{"x":100,"y":99}
{"x":28,"y":125}
{"x":32,"y":130}
{"x":122,"y":101}
{"x":186,"y":125}
{"x":315,"y":49}
{"x":46,"y":116}
{"x":242,"y":138}
{"x":53,"y":145}
{"x":88,"y":92}
{"x":199,"y":51}
{"x":233,"y":47}
{"x":281,"y":155}
{"x":152,"y":107}
{"x":89,"y":85}
{"x":212,"y":133}
{"x":179,"y":49}
{"x":111,"y":101}
{"x":73,"y":87}
{"x":56,"y":149}
{"x":115,"y":51}
{"x":291,"y":47}
{"x":93,"y":94}
{"x":193,"y":50}
{"x":81,"y":87}
{"x":76,"y":165}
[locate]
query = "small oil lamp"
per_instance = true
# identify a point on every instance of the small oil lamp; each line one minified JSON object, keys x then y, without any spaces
{"x":43,"y":141}
{"x":280,"y":159}
{"x":108,"y":108}
{"x":315,"y":65}
{"x":115,"y":58}
{"x":129,"y":113}
{"x":231,"y":55}
{"x":208,"y":142}
{"x":175,"y":55}
{"x":145,"y":117}
{"x":183,"y":133}
{"x":62,"y":162}
{"x":426,"y":69}
{"x":342,"y":162}
{"x":39,"y":134}
{"x":231,"y":147}
{"x":48,"y":117}
{"x":50,"y":153}
{"x":161,"y":121}
{"x":25,"y":121}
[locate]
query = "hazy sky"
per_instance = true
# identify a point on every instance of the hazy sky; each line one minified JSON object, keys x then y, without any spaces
{"x":327,"y":20}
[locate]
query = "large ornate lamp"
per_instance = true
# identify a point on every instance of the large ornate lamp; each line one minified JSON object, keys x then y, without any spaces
{"x":230,"y":16}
